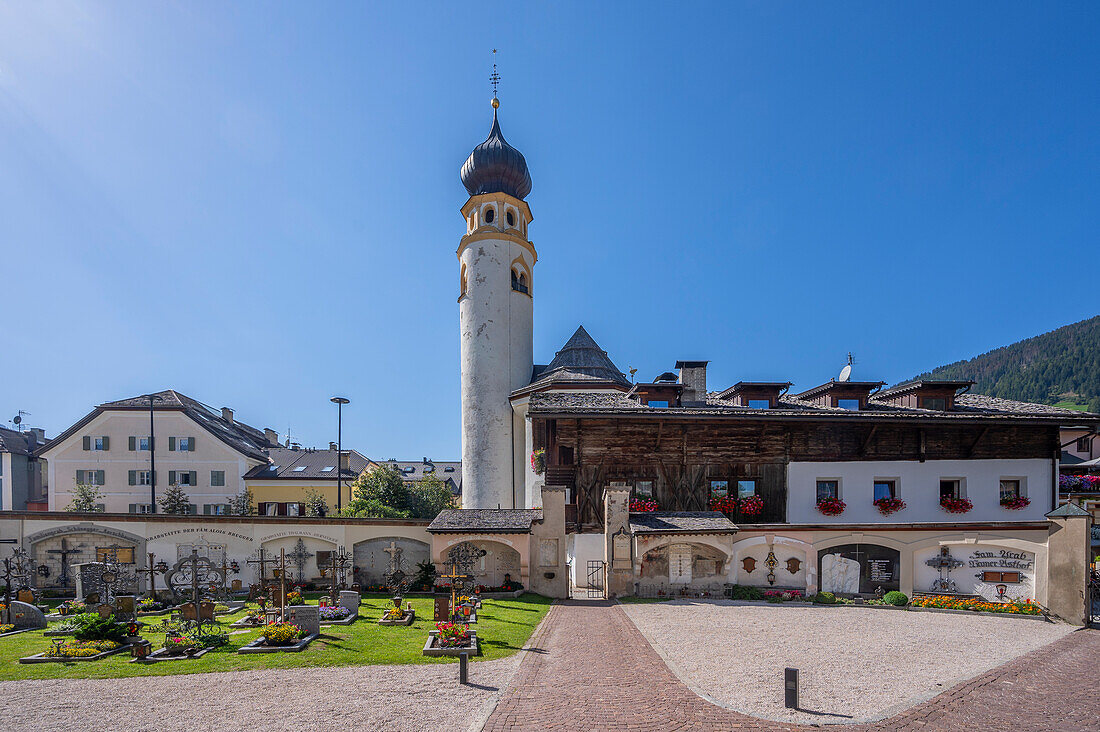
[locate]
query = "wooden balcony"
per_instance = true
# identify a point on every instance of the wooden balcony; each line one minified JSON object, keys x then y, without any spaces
{"x":561,"y":475}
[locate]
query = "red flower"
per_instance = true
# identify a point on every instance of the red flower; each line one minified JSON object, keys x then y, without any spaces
{"x":831,"y":506}
{"x":1016,"y":503}
{"x":725,"y":504}
{"x":956,"y":505}
{"x":752,"y":505}
{"x":642,"y":505}
{"x":887,"y":506}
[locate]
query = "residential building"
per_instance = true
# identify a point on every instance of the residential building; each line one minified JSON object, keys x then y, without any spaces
{"x":282,"y":486}
{"x":114,"y":447}
{"x":448,"y":471}
{"x":22,"y":478}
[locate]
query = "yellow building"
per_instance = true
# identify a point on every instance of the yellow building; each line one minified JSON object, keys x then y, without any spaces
{"x":282,"y":487}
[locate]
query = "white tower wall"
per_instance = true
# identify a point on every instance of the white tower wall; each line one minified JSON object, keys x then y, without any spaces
{"x":496,"y":349}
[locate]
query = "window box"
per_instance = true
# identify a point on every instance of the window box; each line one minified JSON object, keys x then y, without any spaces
{"x":1015,"y":504}
{"x":956,"y":505}
{"x":752,"y":505}
{"x":887,"y":506}
{"x":725,"y":504}
{"x":831,"y":506}
{"x":642,"y":505}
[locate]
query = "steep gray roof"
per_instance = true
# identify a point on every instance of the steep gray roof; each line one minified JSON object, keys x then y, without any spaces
{"x":302,"y":464}
{"x":448,"y":471}
{"x":243,"y":438}
{"x":485,"y":521}
{"x":681,"y":522}
{"x":19,"y":443}
{"x":580,"y":360}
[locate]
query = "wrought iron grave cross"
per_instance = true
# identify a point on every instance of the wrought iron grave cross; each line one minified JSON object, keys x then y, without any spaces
{"x":64,"y":553}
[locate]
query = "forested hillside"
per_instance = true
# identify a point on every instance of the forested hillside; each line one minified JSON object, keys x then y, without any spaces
{"x":1060,"y":366}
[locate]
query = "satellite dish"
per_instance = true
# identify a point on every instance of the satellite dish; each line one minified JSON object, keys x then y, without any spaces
{"x":18,"y":419}
{"x":846,"y":372}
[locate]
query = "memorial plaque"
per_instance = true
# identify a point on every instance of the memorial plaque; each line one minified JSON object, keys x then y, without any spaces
{"x":306,"y":617}
{"x":350,"y":600}
{"x":125,"y":607}
{"x":862,"y":568}
{"x":881,"y":570}
{"x":620,"y":551}
{"x":442,"y":609}
{"x":105,"y":611}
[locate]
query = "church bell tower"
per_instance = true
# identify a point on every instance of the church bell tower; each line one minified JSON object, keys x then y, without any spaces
{"x":495,"y":302}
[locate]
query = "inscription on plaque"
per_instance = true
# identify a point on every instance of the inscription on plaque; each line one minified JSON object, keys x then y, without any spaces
{"x":881,"y":570}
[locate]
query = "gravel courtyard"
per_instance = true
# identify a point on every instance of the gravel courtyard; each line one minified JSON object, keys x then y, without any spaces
{"x":855,"y":663}
{"x":391,"y":698}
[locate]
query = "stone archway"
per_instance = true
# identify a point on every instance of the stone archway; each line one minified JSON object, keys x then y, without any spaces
{"x":62,"y":547}
{"x":372,"y":558}
{"x":682,"y":566}
{"x":499,"y":563}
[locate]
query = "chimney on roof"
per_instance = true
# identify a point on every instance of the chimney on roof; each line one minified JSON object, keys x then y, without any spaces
{"x":693,"y":375}
{"x":38,"y":435}
{"x":345,"y":462}
{"x":227,"y":414}
{"x":272,"y":436}
{"x":332,"y":445}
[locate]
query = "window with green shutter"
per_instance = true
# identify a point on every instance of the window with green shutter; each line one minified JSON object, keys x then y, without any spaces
{"x":171,"y":444}
{"x":132,"y":443}
{"x":171,"y":477}
{"x":80,"y":477}
{"x":87,"y":442}
{"x":132,"y":475}
{"x":217,"y":478}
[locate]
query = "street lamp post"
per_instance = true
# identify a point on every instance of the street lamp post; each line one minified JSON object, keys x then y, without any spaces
{"x":339,"y":402}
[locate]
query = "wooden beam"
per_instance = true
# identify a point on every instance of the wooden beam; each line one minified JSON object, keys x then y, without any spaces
{"x":974,"y":445}
{"x":867,"y":440}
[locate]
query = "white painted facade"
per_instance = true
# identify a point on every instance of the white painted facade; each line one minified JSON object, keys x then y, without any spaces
{"x":496,"y":325}
{"x":918,"y":485}
{"x":65,"y":457}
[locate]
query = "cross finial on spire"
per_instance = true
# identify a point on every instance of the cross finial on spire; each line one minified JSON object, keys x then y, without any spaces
{"x":494,"y":79}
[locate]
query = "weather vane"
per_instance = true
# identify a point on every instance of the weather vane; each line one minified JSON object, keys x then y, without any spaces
{"x":494,"y":79}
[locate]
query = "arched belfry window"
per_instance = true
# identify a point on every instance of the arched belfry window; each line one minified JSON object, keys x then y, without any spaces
{"x":519,"y":282}
{"x":490,"y":214}
{"x":510,"y":218}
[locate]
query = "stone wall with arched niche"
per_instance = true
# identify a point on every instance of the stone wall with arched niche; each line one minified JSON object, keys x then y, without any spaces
{"x":81,"y":543}
{"x":679,"y":566}
{"x":372,"y":558}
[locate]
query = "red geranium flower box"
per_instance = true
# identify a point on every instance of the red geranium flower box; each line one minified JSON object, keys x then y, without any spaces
{"x":642,"y":505}
{"x":887,"y":506}
{"x":1015,"y":504}
{"x":831,"y":506}
{"x":752,"y":505}
{"x":956,"y":505}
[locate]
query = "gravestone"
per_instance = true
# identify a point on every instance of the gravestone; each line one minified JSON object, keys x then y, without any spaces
{"x":105,"y":611}
{"x":306,"y":617}
{"x":442,"y":609}
{"x":350,"y":600}
{"x":125,"y":608}
{"x":24,"y":615}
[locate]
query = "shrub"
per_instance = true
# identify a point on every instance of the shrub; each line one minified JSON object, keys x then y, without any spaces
{"x":91,"y":627}
{"x":742,"y":592}
{"x":898,"y":599}
{"x":333,"y":612}
{"x":825,"y":598}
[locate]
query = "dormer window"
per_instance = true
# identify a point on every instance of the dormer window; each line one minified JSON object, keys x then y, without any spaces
{"x":849,"y":395}
{"x":852,"y":405}
{"x":936,"y":396}
{"x":937,"y":403}
{"x":759,"y":404}
{"x":756,"y":394}
{"x":662,"y":404}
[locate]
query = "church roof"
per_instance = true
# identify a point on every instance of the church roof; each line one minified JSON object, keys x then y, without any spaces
{"x":494,"y":166}
{"x":581,"y":359}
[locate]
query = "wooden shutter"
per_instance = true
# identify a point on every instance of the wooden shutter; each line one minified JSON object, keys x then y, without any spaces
{"x":133,"y":508}
{"x":99,"y":477}
{"x":133,"y":475}
{"x":171,"y":477}
{"x":194,"y":477}
{"x":79,"y":477}
{"x":192,"y":508}
{"x":206,"y":509}
{"x":132,"y":443}
{"x":106,"y":443}
{"x":191,"y":444}
{"x":87,"y":442}
{"x":171,"y":444}
{"x":301,"y":509}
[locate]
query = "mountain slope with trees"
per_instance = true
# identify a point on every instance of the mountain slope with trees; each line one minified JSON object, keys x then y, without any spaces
{"x":1060,"y":366}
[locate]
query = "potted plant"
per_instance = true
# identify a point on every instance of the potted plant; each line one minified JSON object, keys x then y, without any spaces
{"x":887,"y":506}
{"x":752,"y":505}
{"x":538,"y":461}
{"x":725,"y":504}
{"x":831,"y":506}
{"x":955,"y":505}
{"x":1015,"y":504}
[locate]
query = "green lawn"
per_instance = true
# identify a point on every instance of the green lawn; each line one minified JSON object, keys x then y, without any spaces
{"x":503,"y":627}
{"x":1072,"y":405}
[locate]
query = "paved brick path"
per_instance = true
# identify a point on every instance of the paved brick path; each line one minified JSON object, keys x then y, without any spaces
{"x":593,"y":670}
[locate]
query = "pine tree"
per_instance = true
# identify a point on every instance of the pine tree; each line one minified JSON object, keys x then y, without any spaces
{"x":242,"y":504}
{"x":175,"y":500}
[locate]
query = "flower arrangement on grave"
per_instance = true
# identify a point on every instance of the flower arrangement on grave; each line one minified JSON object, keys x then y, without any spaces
{"x":281,"y":634}
{"x":333,"y":612}
{"x":220,"y":608}
{"x":950,"y":602}
{"x":642,"y":505}
{"x":752,"y":505}
{"x":831,"y":506}
{"x":1085,"y":483}
{"x":92,"y":627}
{"x":956,"y":505}
{"x":6,"y":628}
{"x":81,"y":649}
{"x":725,"y":504}
{"x":1015,"y":504}
{"x":538,"y":461}
{"x":72,"y":607}
{"x":149,"y":605}
{"x":887,"y":506}
{"x":453,"y":635}
{"x":294,"y":597}
{"x":177,"y":645}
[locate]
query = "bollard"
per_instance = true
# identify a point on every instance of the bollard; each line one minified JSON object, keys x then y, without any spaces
{"x":462,"y":669}
{"x":790,"y":688}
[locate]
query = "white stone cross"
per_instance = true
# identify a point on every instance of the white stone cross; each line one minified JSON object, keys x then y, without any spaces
{"x":395,"y":555}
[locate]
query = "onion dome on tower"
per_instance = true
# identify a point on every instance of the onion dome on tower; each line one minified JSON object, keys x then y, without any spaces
{"x":495,"y":166}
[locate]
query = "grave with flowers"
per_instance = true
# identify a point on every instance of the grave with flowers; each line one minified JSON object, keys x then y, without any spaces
{"x":301,"y":627}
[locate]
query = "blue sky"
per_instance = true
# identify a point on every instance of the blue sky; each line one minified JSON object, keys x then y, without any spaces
{"x":257,"y":203}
